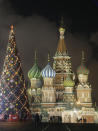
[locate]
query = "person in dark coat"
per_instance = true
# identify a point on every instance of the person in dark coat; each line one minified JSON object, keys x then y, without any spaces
{"x":36,"y":119}
{"x":5,"y":116}
{"x":40,"y":117}
{"x":51,"y":119}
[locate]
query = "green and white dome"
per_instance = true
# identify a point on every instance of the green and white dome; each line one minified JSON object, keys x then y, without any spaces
{"x":69,"y":82}
{"x":34,"y":72}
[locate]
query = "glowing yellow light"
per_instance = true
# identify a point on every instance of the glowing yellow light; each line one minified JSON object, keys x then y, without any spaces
{"x":78,"y":102}
{"x":61,"y":29}
{"x":7,"y":109}
{"x":16,"y":83}
{"x":7,"y":73}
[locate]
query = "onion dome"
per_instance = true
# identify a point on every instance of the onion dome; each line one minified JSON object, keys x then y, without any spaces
{"x":48,"y":71}
{"x":69,"y":82}
{"x":34,"y":72}
{"x":82,"y":69}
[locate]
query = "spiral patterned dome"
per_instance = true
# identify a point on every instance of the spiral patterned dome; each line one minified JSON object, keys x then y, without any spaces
{"x":48,"y":71}
{"x":82,"y":69}
{"x":34,"y":72}
{"x":69,"y":82}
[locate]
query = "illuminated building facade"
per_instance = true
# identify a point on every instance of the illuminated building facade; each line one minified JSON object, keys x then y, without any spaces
{"x":55,"y":92}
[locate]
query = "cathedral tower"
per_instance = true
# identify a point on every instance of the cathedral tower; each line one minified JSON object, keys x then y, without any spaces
{"x":83,"y":87}
{"x":61,"y":65}
{"x":69,"y":96}
{"x":34,"y":75}
{"x":34,"y":91}
{"x":48,"y":91}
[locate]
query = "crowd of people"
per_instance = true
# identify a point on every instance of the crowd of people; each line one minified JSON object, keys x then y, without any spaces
{"x":37,"y":118}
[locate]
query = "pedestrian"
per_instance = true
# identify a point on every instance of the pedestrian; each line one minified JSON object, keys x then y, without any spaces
{"x":33,"y":118}
{"x":5,"y":116}
{"x":36,"y":119}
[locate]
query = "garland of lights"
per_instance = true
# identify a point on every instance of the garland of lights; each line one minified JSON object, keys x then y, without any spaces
{"x":13,"y":97}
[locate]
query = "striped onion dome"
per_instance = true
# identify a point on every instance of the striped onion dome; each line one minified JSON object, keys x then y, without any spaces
{"x":34,"y":72}
{"x":69,"y":82}
{"x":48,"y":71}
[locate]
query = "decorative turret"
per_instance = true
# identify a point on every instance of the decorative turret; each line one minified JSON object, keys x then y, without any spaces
{"x":83,"y":87}
{"x":68,"y":92}
{"x":34,"y":92}
{"x":34,"y":75}
{"x":69,"y":82}
{"x":48,"y":91}
{"x":82,"y":69}
{"x":48,"y":71}
{"x":61,"y":48}
{"x":34,"y":72}
{"x":62,"y":62}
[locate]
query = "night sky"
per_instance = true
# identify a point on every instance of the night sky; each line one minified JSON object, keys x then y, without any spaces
{"x":36,"y":26}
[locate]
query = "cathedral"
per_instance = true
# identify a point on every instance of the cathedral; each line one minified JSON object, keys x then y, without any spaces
{"x":55,"y":92}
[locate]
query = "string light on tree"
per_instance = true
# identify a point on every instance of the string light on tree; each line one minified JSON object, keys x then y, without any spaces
{"x":13,"y":97}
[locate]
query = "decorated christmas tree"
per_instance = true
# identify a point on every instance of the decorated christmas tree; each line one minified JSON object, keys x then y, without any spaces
{"x":13,"y":99}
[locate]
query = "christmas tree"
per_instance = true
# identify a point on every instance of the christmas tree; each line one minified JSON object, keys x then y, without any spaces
{"x":13,"y":99}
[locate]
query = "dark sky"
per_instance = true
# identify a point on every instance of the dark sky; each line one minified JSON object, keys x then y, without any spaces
{"x":36,"y":26}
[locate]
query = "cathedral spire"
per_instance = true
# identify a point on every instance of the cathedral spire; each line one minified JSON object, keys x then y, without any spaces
{"x":35,"y":56}
{"x":48,"y":58}
{"x":83,"y":58}
{"x":61,"y":29}
{"x":61,"y":49}
{"x":62,"y":22}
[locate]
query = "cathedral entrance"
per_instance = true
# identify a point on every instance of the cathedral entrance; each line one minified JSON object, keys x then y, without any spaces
{"x":69,"y":117}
